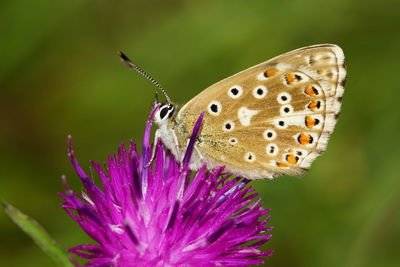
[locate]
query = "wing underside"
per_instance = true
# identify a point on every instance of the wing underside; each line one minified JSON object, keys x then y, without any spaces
{"x":274,"y":118}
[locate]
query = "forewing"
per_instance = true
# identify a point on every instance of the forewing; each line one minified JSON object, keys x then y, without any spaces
{"x":274,"y":118}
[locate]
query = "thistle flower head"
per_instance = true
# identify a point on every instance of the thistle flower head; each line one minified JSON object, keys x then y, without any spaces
{"x":165,"y":215}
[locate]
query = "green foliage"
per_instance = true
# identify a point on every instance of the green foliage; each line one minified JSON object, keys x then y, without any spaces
{"x":59,"y":75}
{"x":39,"y":235}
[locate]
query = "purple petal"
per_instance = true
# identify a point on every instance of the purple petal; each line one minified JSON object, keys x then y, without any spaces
{"x":165,"y":215}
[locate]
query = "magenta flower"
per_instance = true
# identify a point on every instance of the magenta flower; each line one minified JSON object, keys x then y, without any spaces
{"x":165,"y":215}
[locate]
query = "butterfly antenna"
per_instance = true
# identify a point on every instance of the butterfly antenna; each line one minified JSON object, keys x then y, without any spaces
{"x":156,"y":98}
{"x":136,"y":68}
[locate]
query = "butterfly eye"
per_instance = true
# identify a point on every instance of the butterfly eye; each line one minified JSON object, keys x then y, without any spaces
{"x":163,"y":112}
{"x":166,"y":111}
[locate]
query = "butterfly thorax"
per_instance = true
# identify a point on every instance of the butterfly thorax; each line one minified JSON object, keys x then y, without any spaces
{"x":175,"y":134}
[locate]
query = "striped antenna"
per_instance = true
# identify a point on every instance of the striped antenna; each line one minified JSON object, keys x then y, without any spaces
{"x":136,"y":68}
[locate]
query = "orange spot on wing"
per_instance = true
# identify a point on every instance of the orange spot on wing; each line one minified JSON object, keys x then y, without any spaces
{"x":311,"y":91}
{"x":270,"y":72}
{"x":281,"y":165}
{"x":314,"y":105}
{"x":305,"y":139}
{"x":290,"y":78}
{"x":310,"y":122}
{"x":292,"y":159}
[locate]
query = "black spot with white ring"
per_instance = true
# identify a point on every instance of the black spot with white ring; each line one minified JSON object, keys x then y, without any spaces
{"x":235,"y":91}
{"x":286,"y":110}
{"x":260,"y":91}
{"x":228,"y":126}
{"x":281,"y":124}
{"x":214,"y":108}
{"x":250,"y":157}
{"x":272,"y":149}
{"x":284,"y":98}
{"x":233,"y":141}
{"x":269,"y":134}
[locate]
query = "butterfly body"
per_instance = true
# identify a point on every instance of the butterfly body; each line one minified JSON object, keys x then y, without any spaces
{"x":272,"y":119}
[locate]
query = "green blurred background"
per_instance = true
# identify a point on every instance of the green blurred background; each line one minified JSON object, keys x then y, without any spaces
{"x":59,"y":75}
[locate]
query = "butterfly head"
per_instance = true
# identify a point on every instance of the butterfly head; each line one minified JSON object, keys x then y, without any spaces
{"x":164,"y":113}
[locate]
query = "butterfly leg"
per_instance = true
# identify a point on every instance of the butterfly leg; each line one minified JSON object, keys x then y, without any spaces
{"x":177,"y":148}
{"x":198,"y":159}
{"x":199,"y":153}
{"x":153,"y":152}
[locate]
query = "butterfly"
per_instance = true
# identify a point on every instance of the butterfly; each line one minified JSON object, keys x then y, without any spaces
{"x":269,"y":120}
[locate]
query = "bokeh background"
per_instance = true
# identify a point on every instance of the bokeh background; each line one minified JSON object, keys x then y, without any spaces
{"x":59,"y":75}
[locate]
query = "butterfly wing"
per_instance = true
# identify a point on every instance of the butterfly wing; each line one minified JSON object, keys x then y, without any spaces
{"x":272,"y":119}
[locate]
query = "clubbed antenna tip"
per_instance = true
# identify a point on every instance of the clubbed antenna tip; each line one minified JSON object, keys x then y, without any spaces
{"x":122,"y":55}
